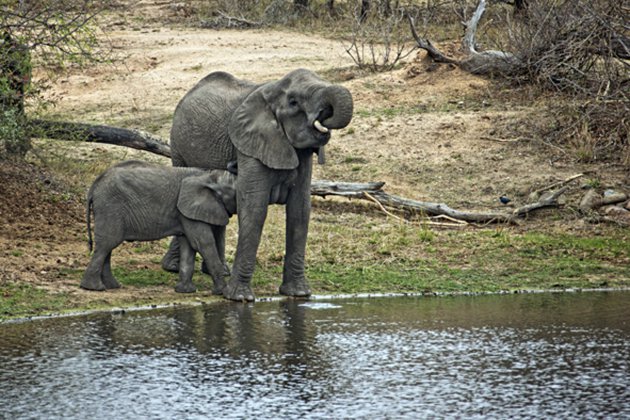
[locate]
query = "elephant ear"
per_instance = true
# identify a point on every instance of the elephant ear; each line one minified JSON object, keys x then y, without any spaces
{"x":199,"y":201}
{"x":255,"y":131}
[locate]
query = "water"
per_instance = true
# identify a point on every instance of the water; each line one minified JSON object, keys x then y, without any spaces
{"x":515,"y":356}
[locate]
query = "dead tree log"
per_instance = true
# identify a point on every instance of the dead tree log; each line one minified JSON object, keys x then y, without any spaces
{"x":476,"y":62}
{"x":64,"y":130}
{"x":374,"y":190}
{"x":547,"y":200}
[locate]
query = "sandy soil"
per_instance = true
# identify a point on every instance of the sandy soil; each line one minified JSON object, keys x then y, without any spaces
{"x":455,"y":149}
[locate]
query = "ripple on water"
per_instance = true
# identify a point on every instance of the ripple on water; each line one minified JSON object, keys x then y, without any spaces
{"x":477,"y":357}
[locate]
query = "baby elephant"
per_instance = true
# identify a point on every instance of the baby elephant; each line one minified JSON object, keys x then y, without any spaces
{"x":138,"y":201}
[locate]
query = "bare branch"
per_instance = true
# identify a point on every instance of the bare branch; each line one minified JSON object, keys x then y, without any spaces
{"x":426,"y":45}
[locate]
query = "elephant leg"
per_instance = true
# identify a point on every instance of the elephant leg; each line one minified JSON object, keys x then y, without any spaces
{"x":204,"y":241}
{"x":92,"y":278}
{"x":170,"y":261}
{"x":108,"y":278}
{"x":186,"y":267}
{"x":253,"y":189}
{"x":298,"y":211}
{"x":219,"y":239}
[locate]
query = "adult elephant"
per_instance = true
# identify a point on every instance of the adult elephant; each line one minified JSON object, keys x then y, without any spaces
{"x":271,"y":131}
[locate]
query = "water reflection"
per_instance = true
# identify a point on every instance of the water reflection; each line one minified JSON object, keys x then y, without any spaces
{"x":558,"y":355}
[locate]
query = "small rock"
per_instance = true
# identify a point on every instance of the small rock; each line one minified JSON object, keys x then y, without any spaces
{"x":612,"y":197}
{"x":590,"y":200}
{"x":626,"y":205}
{"x":617,"y":213}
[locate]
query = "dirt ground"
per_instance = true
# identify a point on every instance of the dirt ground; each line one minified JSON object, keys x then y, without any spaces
{"x":457,"y":148}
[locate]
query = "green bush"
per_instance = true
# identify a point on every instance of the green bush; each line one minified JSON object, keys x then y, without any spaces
{"x":14,"y":140}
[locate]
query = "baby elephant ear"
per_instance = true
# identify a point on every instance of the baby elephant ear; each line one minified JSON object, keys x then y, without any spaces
{"x":255,"y":132}
{"x":199,"y":201}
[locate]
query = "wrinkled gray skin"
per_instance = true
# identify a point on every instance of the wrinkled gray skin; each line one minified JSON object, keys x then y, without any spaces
{"x":138,"y":201}
{"x":272,"y":131}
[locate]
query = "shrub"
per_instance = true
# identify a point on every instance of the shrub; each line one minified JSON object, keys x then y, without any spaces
{"x":579,"y":49}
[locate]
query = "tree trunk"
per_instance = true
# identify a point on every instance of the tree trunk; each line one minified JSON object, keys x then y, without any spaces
{"x":64,"y":130}
{"x":15,"y":74}
{"x":485,"y":62}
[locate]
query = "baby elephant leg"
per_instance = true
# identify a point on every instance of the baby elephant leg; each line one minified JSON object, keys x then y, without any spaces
{"x":219,"y":240}
{"x":186,"y":267}
{"x":202,"y":239}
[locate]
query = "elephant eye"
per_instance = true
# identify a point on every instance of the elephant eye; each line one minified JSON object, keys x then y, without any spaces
{"x":293,"y":102}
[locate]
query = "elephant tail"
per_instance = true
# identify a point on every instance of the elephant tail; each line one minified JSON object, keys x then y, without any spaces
{"x":88,"y":212}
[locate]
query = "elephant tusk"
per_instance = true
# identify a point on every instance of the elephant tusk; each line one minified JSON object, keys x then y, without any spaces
{"x":320,"y":127}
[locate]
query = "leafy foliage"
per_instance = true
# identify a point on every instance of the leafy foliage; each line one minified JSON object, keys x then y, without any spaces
{"x":55,"y":33}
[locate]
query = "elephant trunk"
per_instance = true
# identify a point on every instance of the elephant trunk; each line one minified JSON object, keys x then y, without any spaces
{"x":337,"y":105}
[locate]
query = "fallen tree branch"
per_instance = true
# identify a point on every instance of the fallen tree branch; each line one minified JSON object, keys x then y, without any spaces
{"x":443,"y":216}
{"x":373,"y":192}
{"x":224,"y":20}
{"x":436,"y":209}
{"x":323,"y":188}
{"x":239,"y":20}
{"x":484,"y":62}
{"x":549,"y":200}
{"x":487,"y":138}
{"x":426,"y":45}
{"x":374,"y":189}
{"x":556,"y":184}
{"x":383,"y":209}
{"x":64,"y":130}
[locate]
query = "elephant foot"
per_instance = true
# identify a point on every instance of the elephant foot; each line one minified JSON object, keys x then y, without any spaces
{"x":298,"y":289}
{"x":185,"y":287}
{"x":111,"y":283}
{"x":238,"y":291}
{"x":218,"y":288}
{"x":92,"y":283}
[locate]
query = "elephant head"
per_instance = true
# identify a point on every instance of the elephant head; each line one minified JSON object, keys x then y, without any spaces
{"x":210,"y":197}
{"x":295,"y":112}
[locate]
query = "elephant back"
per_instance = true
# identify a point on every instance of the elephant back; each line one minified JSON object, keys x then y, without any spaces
{"x":199,"y":135}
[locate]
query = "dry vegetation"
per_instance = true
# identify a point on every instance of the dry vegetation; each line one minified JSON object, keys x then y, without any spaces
{"x":431,"y":131}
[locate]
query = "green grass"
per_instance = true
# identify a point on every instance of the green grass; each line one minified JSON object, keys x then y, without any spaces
{"x":412,"y":258}
{"x":148,"y":277}
{"x":22,"y":300}
{"x":376,"y":257}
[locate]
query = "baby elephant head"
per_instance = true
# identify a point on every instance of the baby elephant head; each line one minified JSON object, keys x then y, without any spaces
{"x":209,"y":197}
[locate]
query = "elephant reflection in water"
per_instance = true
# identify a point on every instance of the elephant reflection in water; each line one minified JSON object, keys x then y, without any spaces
{"x":283,"y":333}
{"x":271,"y":131}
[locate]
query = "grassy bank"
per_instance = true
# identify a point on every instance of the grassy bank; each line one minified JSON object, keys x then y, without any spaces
{"x":376,"y":256}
